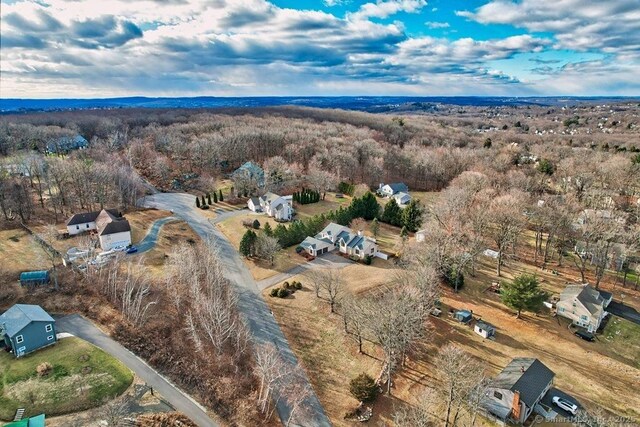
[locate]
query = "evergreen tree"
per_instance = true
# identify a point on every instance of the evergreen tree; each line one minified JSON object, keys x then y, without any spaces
{"x":202,"y":202}
{"x":375,"y":227}
{"x":256,"y":224}
{"x":412,"y":216}
{"x":392,"y":213}
{"x":215,"y":197}
{"x":523,"y":293}
{"x":220,"y":196}
{"x":197,"y":202}
{"x":209,"y":198}
{"x":268,"y":231}
{"x":247,"y":243}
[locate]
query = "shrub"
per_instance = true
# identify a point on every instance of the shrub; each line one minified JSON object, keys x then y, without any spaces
{"x":274,"y":292}
{"x":368,"y":260}
{"x":44,"y":369}
{"x":363,"y":388}
{"x":283,"y":293}
{"x":297,"y":285}
{"x":256,"y":224}
{"x":205,"y":207}
{"x":286,"y":285}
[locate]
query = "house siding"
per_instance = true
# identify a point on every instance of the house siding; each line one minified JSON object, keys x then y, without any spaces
{"x":34,"y":338}
{"x":109,"y":241}
{"x":81,"y":228}
{"x":567,"y":310}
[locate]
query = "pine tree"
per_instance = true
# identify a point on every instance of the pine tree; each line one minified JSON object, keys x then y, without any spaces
{"x":247,"y":243}
{"x":412,"y":216}
{"x":392,"y":213}
{"x":197,"y":202}
{"x":202,"y":202}
{"x":523,"y":293}
{"x":220,"y":196}
{"x":268,"y":231}
{"x":215,"y":197}
{"x":209,"y":198}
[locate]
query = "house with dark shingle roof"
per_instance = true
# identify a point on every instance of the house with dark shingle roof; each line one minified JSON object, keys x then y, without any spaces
{"x":583,"y":305}
{"x":64,"y":144}
{"x":25,"y":328}
{"x":389,"y":190}
{"x":514,"y":393}
{"x":250,"y":172}
{"x":113,"y":230}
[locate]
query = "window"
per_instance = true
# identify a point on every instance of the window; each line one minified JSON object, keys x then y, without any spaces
{"x":87,"y":225}
{"x":77,"y":227}
{"x":19,"y":339}
{"x":372,"y":249}
{"x":583,"y":318}
{"x":50,"y":338}
{"x":497,"y":395}
{"x":561,"y":309}
{"x":48,"y":328}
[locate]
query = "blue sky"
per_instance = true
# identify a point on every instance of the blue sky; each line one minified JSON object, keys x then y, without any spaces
{"x":96,"y":48}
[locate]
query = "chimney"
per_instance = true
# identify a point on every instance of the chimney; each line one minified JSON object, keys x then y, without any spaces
{"x":360,"y":233}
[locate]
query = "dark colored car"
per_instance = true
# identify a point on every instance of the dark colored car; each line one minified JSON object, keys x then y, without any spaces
{"x":587,"y":336}
{"x":132,"y":250}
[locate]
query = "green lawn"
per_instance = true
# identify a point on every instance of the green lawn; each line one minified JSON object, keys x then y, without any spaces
{"x":621,"y":338}
{"x":83,"y":376}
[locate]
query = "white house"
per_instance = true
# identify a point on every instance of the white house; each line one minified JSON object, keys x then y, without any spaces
{"x":515,"y":392}
{"x":276,"y":206}
{"x":390,"y":190}
{"x":113,"y":230}
{"x":583,"y":305}
{"x":402,"y":199}
{"x":335,"y":236}
{"x":254,"y":204}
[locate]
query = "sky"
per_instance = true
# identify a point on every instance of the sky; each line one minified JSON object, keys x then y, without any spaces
{"x":107,"y":48}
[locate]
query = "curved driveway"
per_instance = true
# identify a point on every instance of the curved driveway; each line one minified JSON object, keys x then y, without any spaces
{"x":149,"y":241}
{"x":82,"y":328}
{"x":261,"y":322}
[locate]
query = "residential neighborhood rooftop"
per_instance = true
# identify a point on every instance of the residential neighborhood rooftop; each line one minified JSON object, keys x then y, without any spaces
{"x":20,"y":315}
{"x":526,"y":375}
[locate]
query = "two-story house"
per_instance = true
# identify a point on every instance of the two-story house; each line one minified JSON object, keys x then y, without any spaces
{"x":583,"y":305}
{"x":25,"y":328}
{"x":336,"y":236}
{"x":514,"y":393}
{"x":278,"y":207}
{"x":389,"y":190}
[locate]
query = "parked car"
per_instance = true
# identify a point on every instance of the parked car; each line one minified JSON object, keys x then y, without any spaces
{"x":565,"y":404}
{"x":119,"y":248}
{"x":587,"y":336}
{"x":132,"y":250}
{"x":435,"y":312}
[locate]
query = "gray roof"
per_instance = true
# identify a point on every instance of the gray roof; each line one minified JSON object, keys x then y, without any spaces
{"x":255,"y":201}
{"x":398,"y":187}
{"x":334,"y":230}
{"x":269,"y":197}
{"x":526,"y":375}
{"x":20,"y":315}
{"x":590,"y":298}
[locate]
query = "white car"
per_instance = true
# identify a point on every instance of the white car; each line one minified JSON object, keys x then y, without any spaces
{"x":565,"y":404}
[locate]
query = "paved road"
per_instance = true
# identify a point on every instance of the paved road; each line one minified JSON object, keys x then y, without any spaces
{"x":325,"y":261}
{"x":83,"y":328}
{"x":261,"y":322}
{"x":151,"y":238}
{"x":624,"y":311}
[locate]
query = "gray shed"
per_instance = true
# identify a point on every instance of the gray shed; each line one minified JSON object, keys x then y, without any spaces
{"x":25,"y":328}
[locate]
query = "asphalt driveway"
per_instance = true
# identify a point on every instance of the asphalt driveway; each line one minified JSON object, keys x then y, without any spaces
{"x":261,"y":323}
{"x":624,"y":311}
{"x":83,"y":328}
{"x":149,"y":241}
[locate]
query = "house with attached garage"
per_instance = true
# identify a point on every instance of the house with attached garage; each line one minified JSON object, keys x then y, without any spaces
{"x":335,"y":236}
{"x":583,"y":305}
{"x":26,"y":328}
{"x":278,"y":207}
{"x":113,"y":230}
{"x":514,"y":393}
{"x":389,"y":190}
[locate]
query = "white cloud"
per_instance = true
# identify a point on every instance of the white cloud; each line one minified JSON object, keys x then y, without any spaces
{"x":385,"y":8}
{"x":436,"y":25}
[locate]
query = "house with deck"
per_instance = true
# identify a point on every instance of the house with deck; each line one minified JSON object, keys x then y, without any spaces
{"x":25,"y":328}
{"x":113,"y":229}
{"x":584,"y":306}
{"x":514,"y":393}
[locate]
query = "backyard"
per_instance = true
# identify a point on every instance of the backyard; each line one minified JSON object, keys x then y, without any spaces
{"x":82,"y":376}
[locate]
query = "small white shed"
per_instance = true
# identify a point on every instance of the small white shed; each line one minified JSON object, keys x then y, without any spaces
{"x":484,"y":329}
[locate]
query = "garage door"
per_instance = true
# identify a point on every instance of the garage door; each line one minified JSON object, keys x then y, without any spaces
{"x":325,"y":250}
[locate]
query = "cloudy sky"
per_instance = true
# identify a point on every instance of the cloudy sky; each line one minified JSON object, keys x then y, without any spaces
{"x":103,"y":48}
